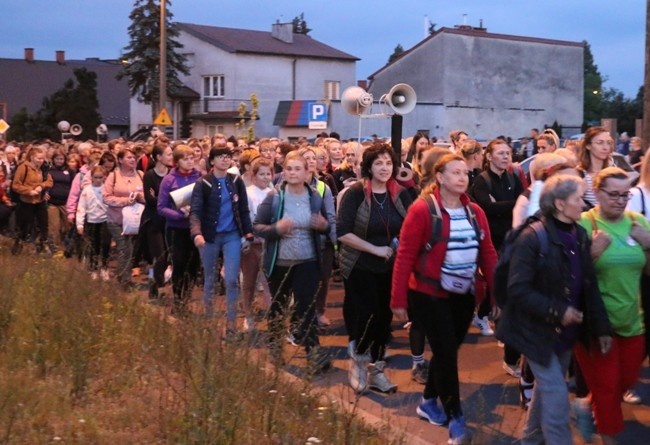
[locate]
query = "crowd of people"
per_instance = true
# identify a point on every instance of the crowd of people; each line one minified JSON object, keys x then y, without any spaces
{"x":414,"y":233}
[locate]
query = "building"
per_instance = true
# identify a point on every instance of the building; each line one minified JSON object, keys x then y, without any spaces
{"x":286,"y":71}
{"x":486,"y":84}
{"x":24,"y":83}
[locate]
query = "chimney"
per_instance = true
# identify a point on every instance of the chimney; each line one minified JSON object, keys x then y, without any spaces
{"x":60,"y":57}
{"x":282,"y":32}
{"x":29,"y":55}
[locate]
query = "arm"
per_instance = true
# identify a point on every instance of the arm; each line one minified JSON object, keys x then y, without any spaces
{"x":73,"y":197}
{"x":150,"y":197}
{"x":265,"y":225}
{"x":165,"y":204}
{"x":196,"y":209}
{"x":81,"y":212}
{"x":244,"y":212}
{"x":347,"y":214}
{"x":48,"y":182}
{"x":330,"y":213}
{"x":482,"y":197}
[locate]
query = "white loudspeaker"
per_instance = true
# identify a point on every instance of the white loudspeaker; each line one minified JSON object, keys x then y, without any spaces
{"x":76,"y":129}
{"x":355,"y":100}
{"x":401,"y":98}
{"x":102,"y":129}
{"x":63,"y":126}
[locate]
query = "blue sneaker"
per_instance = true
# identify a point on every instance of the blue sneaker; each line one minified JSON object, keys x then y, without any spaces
{"x":584,"y":418}
{"x":428,"y":409}
{"x":459,"y":434}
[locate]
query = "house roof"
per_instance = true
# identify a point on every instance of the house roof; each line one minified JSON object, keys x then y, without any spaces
{"x":262,"y":42}
{"x":479,"y":32}
{"x":25,"y":85}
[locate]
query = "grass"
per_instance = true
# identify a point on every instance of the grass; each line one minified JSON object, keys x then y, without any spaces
{"x":83,"y":363}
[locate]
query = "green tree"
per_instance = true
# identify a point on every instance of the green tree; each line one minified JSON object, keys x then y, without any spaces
{"x":76,"y":103}
{"x":399,"y":49}
{"x":142,"y":55}
{"x":626,"y":111}
{"x":593,"y":84}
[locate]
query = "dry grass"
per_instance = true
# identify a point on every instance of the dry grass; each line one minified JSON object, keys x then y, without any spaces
{"x":83,"y":363}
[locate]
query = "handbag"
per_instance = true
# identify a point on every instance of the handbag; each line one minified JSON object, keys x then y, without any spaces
{"x":131,"y":216}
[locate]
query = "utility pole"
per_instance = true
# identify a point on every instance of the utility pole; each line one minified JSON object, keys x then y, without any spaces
{"x":162,"y":89}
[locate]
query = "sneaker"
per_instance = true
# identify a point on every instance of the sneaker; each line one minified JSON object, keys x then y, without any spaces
{"x":632,"y":397}
{"x":358,"y":373}
{"x":323,"y":320}
{"x":484,"y":325}
{"x":378,"y":380}
{"x":584,"y":418}
{"x":94,"y":276}
{"x":428,"y":409}
{"x":249,"y":324}
{"x":501,"y":344}
{"x":318,"y":360}
{"x":168,"y":274}
{"x":525,"y":393}
{"x":420,"y":372}
{"x":459,"y":434}
{"x":104,"y":274}
{"x":513,"y":370}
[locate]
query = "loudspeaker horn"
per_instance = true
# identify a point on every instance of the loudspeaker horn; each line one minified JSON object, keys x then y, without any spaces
{"x":355,"y":100}
{"x":401,"y":98}
{"x":63,"y":126}
{"x":101,"y":129}
{"x":76,"y":129}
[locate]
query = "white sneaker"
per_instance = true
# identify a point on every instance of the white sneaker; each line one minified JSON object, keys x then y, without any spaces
{"x":358,"y":373}
{"x":105,"y":274}
{"x":378,"y":380}
{"x":249,"y":324}
{"x":513,"y":370}
{"x":484,"y":325}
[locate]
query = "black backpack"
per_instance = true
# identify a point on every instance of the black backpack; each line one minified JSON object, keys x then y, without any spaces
{"x":502,"y":268}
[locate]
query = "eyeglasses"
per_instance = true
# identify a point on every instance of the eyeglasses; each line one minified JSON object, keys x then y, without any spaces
{"x":223,"y":157}
{"x":98,"y":177}
{"x":615,"y":196}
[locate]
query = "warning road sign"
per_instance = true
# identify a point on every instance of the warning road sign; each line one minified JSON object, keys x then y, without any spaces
{"x":4,"y":126}
{"x":163,"y":119}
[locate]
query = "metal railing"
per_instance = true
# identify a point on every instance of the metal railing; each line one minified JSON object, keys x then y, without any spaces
{"x":215,"y":105}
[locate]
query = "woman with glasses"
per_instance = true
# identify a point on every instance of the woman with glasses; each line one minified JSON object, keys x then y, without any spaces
{"x":595,"y":153}
{"x":220,"y":222}
{"x":620,"y":240}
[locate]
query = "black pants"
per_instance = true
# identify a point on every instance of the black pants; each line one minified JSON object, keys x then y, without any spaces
{"x":186,"y":262}
{"x":445,"y":321}
{"x":97,"y":243}
{"x":366,"y":310}
{"x":302,"y":281}
{"x":29,"y":214}
{"x":153,"y":236}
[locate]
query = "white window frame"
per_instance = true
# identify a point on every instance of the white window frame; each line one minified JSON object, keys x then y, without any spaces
{"x":214,"y":83}
{"x":332,"y":90}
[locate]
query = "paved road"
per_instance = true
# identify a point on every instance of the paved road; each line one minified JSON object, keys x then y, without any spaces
{"x":489,"y":396}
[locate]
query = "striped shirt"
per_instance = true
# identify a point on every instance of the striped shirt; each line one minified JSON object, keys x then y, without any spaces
{"x":462,"y":247}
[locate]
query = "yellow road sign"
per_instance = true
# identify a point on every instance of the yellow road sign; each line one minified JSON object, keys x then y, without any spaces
{"x":4,"y":126}
{"x":163,"y":118}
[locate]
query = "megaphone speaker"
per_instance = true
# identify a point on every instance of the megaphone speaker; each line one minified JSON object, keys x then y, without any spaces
{"x":76,"y":129}
{"x":355,"y":100}
{"x":63,"y":126}
{"x":102,"y":129}
{"x":401,"y":98}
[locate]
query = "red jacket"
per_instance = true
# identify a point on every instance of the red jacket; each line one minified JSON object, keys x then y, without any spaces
{"x":415,"y":233}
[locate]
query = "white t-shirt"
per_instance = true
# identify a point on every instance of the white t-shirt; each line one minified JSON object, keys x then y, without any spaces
{"x":255,"y":197}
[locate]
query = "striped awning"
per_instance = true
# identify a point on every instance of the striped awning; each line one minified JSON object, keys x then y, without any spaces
{"x":293,"y":113}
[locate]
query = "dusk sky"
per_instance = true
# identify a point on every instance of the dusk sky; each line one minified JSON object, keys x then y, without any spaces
{"x":369,"y":29}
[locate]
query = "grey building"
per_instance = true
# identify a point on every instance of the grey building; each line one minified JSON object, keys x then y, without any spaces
{"x":486,"y":84}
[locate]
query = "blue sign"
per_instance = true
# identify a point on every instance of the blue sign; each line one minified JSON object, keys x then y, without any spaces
{"x":317,"y":112}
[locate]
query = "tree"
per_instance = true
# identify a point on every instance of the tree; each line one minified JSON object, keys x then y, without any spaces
{"x":300,"y":25}
{"x":399,"y":49}
{"x":76,"y":103}
{"x":142,"y":55}
{"x":593,"y":88}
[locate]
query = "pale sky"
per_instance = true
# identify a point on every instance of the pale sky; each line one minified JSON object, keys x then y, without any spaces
{"x":368,"y":29}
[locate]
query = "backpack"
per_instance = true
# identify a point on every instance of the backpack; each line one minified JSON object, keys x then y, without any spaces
{"x":436,"y":234}
{"x":502,"y":268}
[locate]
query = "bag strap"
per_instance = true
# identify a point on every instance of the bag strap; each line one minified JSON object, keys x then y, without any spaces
{"x":642,"y":200}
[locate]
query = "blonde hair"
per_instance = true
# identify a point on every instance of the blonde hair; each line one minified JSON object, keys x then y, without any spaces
{"x":543,"y":162}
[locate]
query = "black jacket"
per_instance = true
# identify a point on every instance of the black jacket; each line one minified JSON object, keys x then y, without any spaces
{"x":538,"y":295}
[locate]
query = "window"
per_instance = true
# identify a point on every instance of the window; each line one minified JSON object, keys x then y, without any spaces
{"x":332,"y":90}
{"x":214,"y":86}
{"x":214,"y":129}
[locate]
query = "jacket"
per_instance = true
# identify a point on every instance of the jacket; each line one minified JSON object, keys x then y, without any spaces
{"x":61,"y":183}
{"x":26,"y":179}
{"x":174,"y":217}
{"x":416,"y":233}
{"x":348,"y":256}
{"x":204,"y":213}
{"x":538,"y":295}
{"x":270,"y":211}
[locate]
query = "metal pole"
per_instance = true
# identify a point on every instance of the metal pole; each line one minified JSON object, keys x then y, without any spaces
{"x":163,"y":56}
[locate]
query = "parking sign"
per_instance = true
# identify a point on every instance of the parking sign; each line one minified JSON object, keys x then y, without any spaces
{"x":317,"y":116}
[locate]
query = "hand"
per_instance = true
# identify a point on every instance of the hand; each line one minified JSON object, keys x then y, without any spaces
{"x":80,"y":230}
{"x":38,"y":189}
{"x":34,"y":192}
{"x":152,"y":192}
{"x":599,"y":242}
{"x":400,"y":314}
{"x":140,"y":197}
{"x":384,"y":252}
{"x":284,"y":226}
{"x":495,"y":312}
{"x":318,"y":222}
{"x":186,"y":211}
{"x":246,"y":247}
{"x":571,"y":316}
{"x":199,"y":241}
{"x":605,"y":344}
{"x":640,"y":235}
{"x":47,"y":196}
{"x":71,"y":218}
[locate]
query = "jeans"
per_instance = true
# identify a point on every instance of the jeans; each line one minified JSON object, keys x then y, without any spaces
{"x":230,"y":244}
{"x":548,"y":415}
{"x":124,"y":249}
